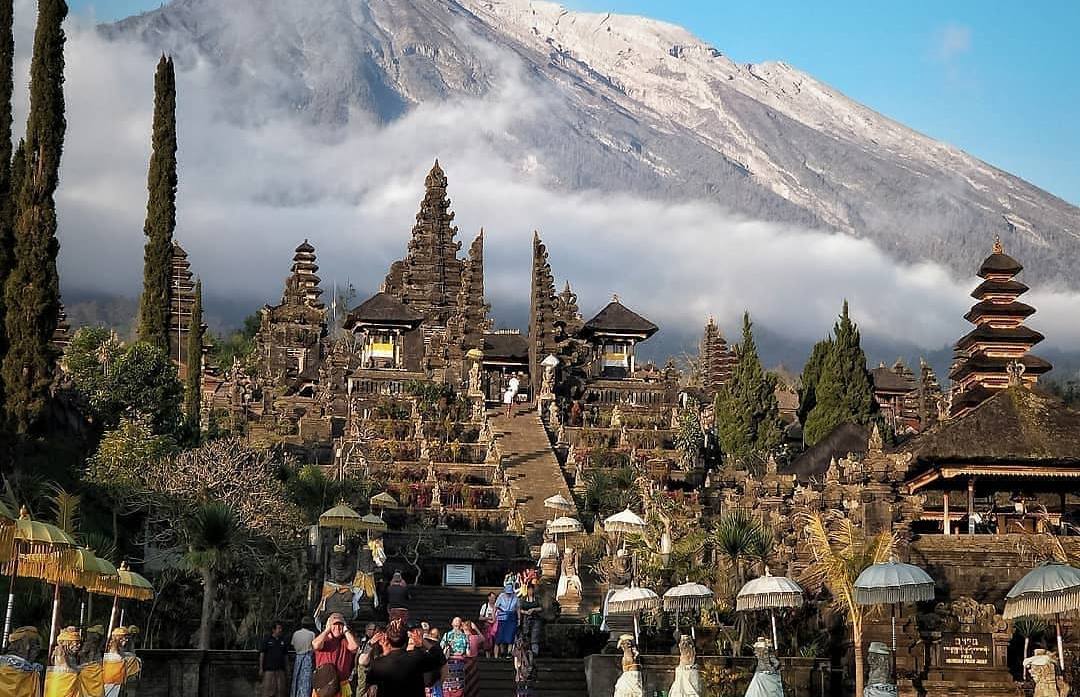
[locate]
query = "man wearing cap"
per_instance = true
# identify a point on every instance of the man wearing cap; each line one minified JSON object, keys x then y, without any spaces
{"x":336,"y":646}
{"x":400,"y":673}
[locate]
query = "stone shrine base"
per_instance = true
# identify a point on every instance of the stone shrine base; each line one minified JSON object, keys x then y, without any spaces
{"x":802,"y":676}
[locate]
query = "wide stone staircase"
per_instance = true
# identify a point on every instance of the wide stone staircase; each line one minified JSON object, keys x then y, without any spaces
{"x":531,"y":464}
{"x":440,"y":604}
{"x":552,"y":677}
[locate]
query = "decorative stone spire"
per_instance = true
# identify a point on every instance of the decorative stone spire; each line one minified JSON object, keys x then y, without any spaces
{"x":470,"y":321}
{"x":181,"y":301}
{"x":717,"y":359}
{"x":304,"y":282}
{"x":999,"y":339}
{"x":567,"y":311}
{"x":542,"y":303}
{"x":429,"y":278}
{"x":929,"y":395}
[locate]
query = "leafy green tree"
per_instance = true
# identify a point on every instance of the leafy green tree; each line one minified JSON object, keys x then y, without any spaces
{"x":237,"y":345}
{"x":811,"y":375}
{"x":32,"y":288}
{"x":193,"y":381}
{"x":213,"y":535}
{"x":160,"y":212}
{"x":747,"y":413}
{"x":845,"y":389}
{"x":7,"y":86}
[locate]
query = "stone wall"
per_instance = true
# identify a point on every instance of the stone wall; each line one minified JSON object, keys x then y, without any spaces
{"x":983,"y":567}
{"x":187,"y":673}
{"x":802,"y":676}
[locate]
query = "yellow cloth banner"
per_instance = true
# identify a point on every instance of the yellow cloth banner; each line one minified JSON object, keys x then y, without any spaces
{"x":19,"y":683}
{"x":91,"y":680}
{"x":61,"y":683}
{"x":132,"y":667}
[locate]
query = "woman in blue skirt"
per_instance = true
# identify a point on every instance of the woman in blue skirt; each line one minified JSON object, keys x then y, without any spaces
{"x":506,"y":613}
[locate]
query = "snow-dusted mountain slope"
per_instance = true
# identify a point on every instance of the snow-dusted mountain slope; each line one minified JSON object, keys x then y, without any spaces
{"x":630,"y":104}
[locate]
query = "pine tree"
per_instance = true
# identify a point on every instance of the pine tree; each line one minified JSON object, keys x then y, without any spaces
{"x":32,"y":289}
{"x":7,"y":86}
{"x":193,"y":381}
{"x":160,"y":212}
{"x":747,"y":413}
{"x":845,"y":390}
{"x":811,"y":375}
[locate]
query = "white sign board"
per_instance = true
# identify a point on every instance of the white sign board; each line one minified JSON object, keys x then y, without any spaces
{"x":458,"y":575}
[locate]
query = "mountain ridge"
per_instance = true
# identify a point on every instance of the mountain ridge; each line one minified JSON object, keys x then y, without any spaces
{"x":630,"y":104}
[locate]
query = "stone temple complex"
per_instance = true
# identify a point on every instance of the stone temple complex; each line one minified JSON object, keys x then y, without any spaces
{"x":969,"y":477}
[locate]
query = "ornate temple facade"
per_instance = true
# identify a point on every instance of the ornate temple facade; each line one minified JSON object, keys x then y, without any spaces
{"x":717,"y":359}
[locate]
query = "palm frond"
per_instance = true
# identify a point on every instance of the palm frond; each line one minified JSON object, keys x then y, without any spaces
{"x":65,"y":508}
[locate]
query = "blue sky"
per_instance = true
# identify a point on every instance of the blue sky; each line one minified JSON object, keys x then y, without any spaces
{"x":996,"y":78}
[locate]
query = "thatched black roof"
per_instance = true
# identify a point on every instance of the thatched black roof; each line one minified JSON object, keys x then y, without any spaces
{"x":1033,"y":365}
{"x":984,"y":332}
{"x":845,"y":439}
{"x":1010,"y":287}
{"x":506,"y":346}
{"x":383,"y":308}
{"x":617,"y":318}
{"x":1015,"y":425}
{"x":888,"y":380}
{"x":999,"y":263}
{"x":987,"y":308}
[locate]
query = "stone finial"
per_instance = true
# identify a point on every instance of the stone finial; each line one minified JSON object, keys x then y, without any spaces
{"x":998,"y":247}
{"x":876,"y":444}
{"x":1016,"y":370}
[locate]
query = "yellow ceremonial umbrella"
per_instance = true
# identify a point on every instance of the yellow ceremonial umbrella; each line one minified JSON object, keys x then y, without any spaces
{"x":7,"y":532}
{"x":341,"y":516}
{"x":39,"y":551}
{"x":130,"y":586}
{"x":82,"y":569}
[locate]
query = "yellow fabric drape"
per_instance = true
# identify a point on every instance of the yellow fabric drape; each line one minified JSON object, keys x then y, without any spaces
{"x":19,"y":683}
{"x":91,"y":680}
{"x":61,"y":683}
{"x":113,"y":671}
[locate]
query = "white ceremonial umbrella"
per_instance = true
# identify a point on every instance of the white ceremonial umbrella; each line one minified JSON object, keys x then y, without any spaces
{"x":1052,"y":588}
{"x":768,"y":592}
{"x":624,"y":521}
{"x":631,"y":601}
{"x":892,"y":583}
{"x":686,"y":597}
{"x":564,"y":525}
{"x":558,"y":502}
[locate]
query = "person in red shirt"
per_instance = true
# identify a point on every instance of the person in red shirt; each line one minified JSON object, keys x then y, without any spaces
{"x":337,"y":646}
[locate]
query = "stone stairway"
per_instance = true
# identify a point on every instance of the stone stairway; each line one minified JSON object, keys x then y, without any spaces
{"x":531,"y":464}
{"x":553,"y":677}
{"x":440,"y":604}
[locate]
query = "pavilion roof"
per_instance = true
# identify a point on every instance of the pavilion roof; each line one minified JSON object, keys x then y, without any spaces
{"x":888,"y":380}
{"x":617,"y":318}
{"x":506,"y":346}
{"x":1016,"y":425}
{"x":383,"y":308}
{"x":846,"y":439}
{"x":999,"y":263}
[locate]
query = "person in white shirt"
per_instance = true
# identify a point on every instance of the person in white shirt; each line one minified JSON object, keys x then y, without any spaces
{"x":305,"y":658}
{"x":510,"y":396}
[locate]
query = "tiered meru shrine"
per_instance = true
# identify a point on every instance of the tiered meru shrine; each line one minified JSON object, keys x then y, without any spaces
{"x":406,"y":391}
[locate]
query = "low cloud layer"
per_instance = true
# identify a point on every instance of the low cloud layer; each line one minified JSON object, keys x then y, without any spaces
{"x":249,"y":195}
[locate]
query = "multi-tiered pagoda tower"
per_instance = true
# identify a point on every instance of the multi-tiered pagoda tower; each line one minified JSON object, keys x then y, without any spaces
{"x":996,"y":353}
{"x":290,"y":337}
{"x":717,"y":359}
{"x":181,"y":302}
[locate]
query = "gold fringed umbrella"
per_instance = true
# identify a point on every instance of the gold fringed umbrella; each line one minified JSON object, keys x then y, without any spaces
{"x":130,"y":586}
{"x":7,"y":532}
{"x":38,"y":551}
{"x":82,"y":569}
{"x":372,"y":523}
{"x":384,"y":500}
{"x":343,"y":517}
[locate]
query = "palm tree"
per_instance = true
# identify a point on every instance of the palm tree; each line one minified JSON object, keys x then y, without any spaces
{"x":213,"y":533}
{"x":1029,"y":627}
{"x":841,"y":552}
{"x":739,"y":538}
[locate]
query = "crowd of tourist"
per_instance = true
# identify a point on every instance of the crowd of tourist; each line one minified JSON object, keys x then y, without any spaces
{"x":403,"y":657}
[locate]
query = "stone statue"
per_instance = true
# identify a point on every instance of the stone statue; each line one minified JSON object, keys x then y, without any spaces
{"x":19,"y":669}
{"x":687,"y":678}
{"x":629,"y":683}
{"x":620,"y":569}
{"x":93,"y":645}
{"x":1042,"y":667}
{"x":569,"y":582}
{"x":506,"y":496}
{"x":554,"y":416}
{"x":65,"y":656}
{"x":547,"y":381}
{"x":549,"y":548}
{"x":474,"y":378}
{"x":340,"y":573}
{"x":425,"y":451}
{"x":879,"y":683}
{"x":337,"y":592}
{"x":121,"y":665}
{"x":766,"y":682}
{"x":436,"y":495}
{"x":616,"y":417}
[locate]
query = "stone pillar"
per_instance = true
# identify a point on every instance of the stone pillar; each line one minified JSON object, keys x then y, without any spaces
{"x":947,"y":526}
{"x":971,"y":506}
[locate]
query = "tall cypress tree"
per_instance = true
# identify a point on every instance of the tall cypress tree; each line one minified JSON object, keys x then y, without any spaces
{"x":160,"y":212}
{"x":811,"y":375}
{"x":193,"y":380}
{"x":7,"y":87}
{"x":845,"y":390}
{"x":747,"y":413}
{"x":32,"y":289}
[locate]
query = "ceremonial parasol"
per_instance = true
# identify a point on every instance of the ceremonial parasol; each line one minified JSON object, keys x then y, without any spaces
{"x":341,"y":516}
{"x":372,"y":523}
{"x":687,"y":597}
{"x":130,"y":586}
{"x":7,"y":532}
{"x":624,"y":521}
{"x":767,"y":593}
{"x":564,"y":525}
{"x":384,"y":500}
{"x":892,"y":583}
{"x":1052,"y":588}
{"x":87,"y":571}
{"x":558,"y":502}
{"x":631,"y":601}
{"x":37,"y":552}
